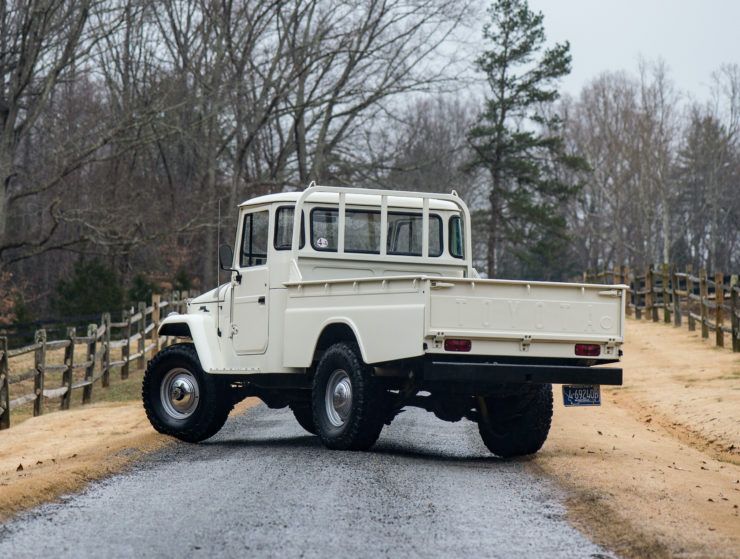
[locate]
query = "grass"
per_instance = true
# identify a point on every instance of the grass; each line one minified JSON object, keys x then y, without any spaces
{"x":119,"y":390}
{"x":128,"y":390}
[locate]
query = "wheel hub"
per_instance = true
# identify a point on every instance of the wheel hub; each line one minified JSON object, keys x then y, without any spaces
{"x":179,"y":393}
{"x":338,"y":397}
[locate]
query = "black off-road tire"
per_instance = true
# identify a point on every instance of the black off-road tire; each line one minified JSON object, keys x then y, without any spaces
{"x":516,"y":425}
{"x":362,"y":416}
{"x":304,"y":415}
{"x":204,"y":406}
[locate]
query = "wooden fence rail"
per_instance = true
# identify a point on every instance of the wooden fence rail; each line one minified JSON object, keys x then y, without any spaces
{"x":713,"y":302}
{"x":139,"y":328}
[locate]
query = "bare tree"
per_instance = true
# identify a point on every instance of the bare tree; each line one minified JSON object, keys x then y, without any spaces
{"x":39,"y":46}
{"x":657,"y":133}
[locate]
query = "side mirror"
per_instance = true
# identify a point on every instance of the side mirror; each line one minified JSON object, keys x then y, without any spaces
{"x":226,"y":260}
{"x":225,"y":257}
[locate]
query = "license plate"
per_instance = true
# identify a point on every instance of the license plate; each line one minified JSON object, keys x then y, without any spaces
{"x":582,"y":395}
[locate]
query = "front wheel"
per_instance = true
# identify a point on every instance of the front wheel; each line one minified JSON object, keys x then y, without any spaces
{"x":304,"y":415}
{"x":180,"y":399}
{"x":516,"y":425}
{"x":346,"y":399}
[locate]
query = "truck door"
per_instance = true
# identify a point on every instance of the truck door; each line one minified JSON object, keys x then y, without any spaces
{"x":249,"y":316}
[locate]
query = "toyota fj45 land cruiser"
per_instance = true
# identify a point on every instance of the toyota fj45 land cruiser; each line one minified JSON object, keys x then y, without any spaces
{"x":349,"y":304}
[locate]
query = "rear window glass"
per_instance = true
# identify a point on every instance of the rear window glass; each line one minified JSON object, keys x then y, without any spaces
{"x":405,"y":231}
{"x":362,"y":232}
{"x":457,"y":242}
{"x":324,"y":226}
{"x":284,"y":228}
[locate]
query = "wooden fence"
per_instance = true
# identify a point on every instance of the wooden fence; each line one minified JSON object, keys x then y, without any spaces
{"x":712,"y":304}
{"x":134,"y":331}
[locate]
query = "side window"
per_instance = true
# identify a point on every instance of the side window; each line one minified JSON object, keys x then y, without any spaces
{"x":254,"y":239}
{"x":456,"y":237}
{"x":404,"y":234}
{"x":362,"y":231}
{"x":284,"y":228}
{"x":324,"y":227}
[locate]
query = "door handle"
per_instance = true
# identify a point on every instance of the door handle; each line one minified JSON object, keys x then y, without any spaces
{"x":261,"y":300}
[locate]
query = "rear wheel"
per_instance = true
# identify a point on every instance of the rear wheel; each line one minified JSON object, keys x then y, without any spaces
{"x":180,"y":399}
{"x":346,"y":399}
{"x":516,"y":425}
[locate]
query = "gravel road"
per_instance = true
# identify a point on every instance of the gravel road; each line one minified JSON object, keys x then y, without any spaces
{"x":263,"y":487}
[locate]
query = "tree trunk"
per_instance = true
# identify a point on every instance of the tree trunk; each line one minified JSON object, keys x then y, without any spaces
{"x":6,"y":173}
{"x":493,"y":227}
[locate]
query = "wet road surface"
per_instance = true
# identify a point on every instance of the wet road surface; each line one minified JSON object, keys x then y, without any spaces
{"x":263,"y":487}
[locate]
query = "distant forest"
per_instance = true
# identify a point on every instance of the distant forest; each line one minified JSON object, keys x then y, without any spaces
{"x":127,"y":125}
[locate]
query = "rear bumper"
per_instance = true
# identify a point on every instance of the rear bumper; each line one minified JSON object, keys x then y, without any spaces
{"x":474,"y":377}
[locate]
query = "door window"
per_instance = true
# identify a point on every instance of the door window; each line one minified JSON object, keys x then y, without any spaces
{"x":254,"y":239}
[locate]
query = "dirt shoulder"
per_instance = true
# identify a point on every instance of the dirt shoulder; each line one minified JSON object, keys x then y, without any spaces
{"x":653,"y":472}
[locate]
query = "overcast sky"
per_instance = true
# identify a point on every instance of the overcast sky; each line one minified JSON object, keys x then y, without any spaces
{"x":693,"y":37}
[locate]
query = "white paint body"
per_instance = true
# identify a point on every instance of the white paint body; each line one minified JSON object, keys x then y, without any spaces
{"x":397,"y":306}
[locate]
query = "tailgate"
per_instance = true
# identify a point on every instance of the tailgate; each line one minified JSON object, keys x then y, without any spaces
{"x":526,"y":311}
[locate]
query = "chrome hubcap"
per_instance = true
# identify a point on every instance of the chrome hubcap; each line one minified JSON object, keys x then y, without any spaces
{"x":338,"y":400}
{"x":179,"y":393}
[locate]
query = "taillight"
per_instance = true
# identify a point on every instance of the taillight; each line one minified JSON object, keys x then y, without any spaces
{"x":588,"y":350}
{"x":458,"y":345}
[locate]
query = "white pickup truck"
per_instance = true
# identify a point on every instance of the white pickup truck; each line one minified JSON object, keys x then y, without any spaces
{"x":349,"y":304}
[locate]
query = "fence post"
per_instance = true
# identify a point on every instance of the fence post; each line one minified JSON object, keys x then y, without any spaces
{"x":141,"y":361}
{"x":676,"y":296}
{"x":734,"y":319}
{"x":92,"y":347}
{"x":632,"y":299}
{"x":105,"y":362}
{"x":616,"y":273}
{"x":39,"y":358}
{"x":156,"y":299}
{"x":69,"y":360}
{"x":638,"y":288}
{"x":719,"y":300}
{"x":654,"y":293}
{"x":689,"y":295}
{"x":126,"y":349}
{"x":649,"y":291}
{"x":666,"y":300}
{"x":4,"y":385}
{"x":703,"y":293}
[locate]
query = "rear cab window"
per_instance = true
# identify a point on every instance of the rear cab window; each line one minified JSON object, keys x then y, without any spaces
{"x":405,"y":230}
{"x":362,"y":232}
{"x":456,"y":234}
{"x":284,"y":228}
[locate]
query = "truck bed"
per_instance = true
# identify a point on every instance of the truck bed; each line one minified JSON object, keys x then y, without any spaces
{"x":408,"y":316}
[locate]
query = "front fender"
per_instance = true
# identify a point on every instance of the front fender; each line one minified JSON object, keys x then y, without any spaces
{"x":202,"y":330}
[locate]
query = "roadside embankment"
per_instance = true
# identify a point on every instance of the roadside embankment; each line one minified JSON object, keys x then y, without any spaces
{"x":655,"y":471}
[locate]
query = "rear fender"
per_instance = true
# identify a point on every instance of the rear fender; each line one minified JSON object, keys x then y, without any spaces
{"x":202,"y":330}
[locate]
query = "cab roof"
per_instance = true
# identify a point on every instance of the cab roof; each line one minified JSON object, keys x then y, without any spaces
{"x":353,"y":197}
